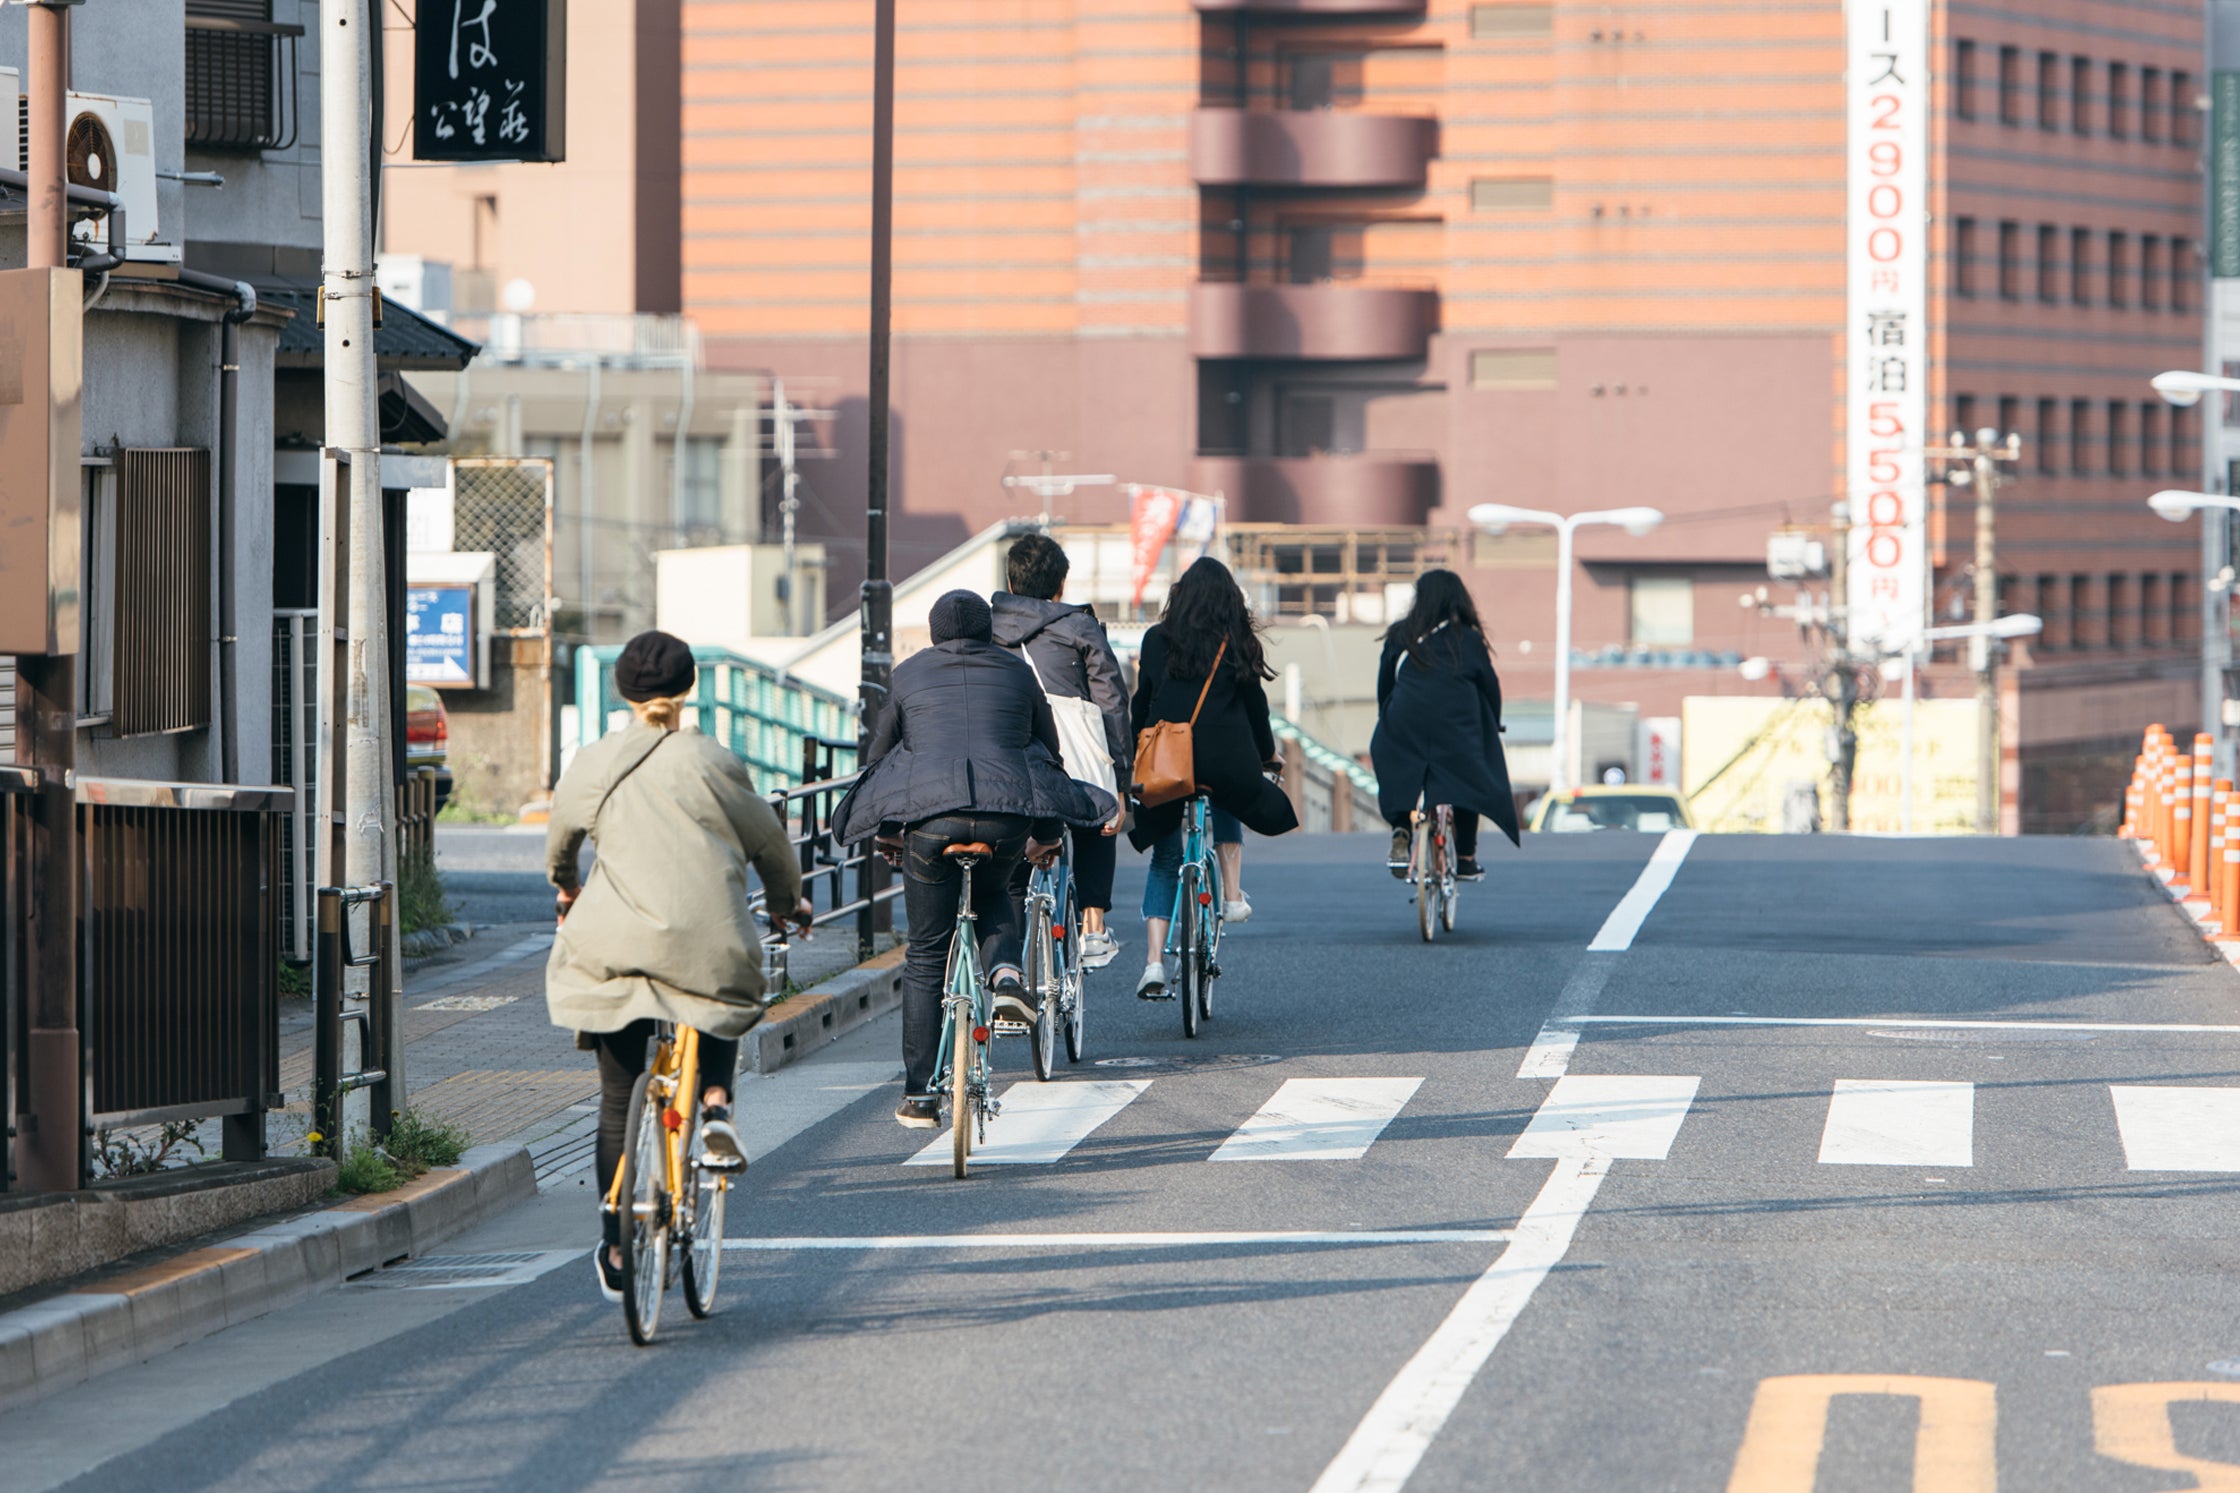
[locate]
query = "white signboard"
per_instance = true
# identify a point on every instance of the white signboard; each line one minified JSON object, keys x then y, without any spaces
{"x":1886,"y":332}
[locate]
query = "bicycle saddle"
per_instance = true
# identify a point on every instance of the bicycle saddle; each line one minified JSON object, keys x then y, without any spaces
{"x":977,"y":847}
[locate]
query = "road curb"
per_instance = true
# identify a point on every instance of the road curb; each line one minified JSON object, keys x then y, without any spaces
{"x":2195,"y":909}
{"x":799,"y":1025}
{"x":135,"y":1314}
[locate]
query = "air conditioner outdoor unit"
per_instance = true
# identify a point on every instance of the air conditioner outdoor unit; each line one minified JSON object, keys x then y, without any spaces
{"x":109,"y":145}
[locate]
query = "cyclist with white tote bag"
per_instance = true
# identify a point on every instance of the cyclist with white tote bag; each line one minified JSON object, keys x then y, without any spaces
{"x":1080,"y":675}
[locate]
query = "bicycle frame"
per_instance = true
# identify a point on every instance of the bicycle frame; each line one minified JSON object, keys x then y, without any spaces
{"x":965,"y":993}
{"x":1197,"y":849}
{"x":676,"y":1071}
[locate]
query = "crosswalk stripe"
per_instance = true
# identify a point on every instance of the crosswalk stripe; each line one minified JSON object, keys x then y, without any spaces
{"x":1040,"y":1122}
{"x":1319,"y":1119}
{"x":1608,"y":1115}
{"x":1899,"y":1122}
{"x":2166,"y":1128}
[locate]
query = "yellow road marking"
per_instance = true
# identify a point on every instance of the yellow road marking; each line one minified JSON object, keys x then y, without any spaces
{"x":2131,"y":1424}
{"x":1954,"y":1449}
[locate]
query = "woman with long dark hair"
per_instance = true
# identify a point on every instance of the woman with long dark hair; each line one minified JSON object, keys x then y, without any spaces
{"x":1438,"y":736}
{"x":1206,"y":632}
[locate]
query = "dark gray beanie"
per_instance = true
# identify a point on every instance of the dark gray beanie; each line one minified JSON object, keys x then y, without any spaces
{"x":961,"y":614}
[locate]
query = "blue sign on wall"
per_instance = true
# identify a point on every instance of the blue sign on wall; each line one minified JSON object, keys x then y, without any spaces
{"x":439,"y":635}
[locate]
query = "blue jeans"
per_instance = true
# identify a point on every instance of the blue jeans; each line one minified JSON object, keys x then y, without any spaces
{"x":1166,"y":865}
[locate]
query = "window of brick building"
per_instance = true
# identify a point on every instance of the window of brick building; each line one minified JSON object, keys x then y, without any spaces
{"x":1502,"y":22}
{"x":2080,"y":266}
{"x":1664,"y":611}
{"x":2183,"y":115}
{"x":2010,"y":85}
{"x":2185,"y":621}
{"x":2080,"y":95}
{"x":2049,"y":90}
{"x":2123,"y":611}
{"x":2010,"y":260}
{"x":2150,"y":271}
{"x":2119,"y":101}
{"x":2119,"y":269}
{"x":2154,"y":611}
{"x":2080,"y":437}
{"x":2185,"y":444}
{"x":1512,"y":194}
{"x":2054,"y":612}
{"x":1963,"y":418}
{"x":2049,"y":263}
{"x":2185,"y":269}
{"x":2153,"y":105}
{"x":1513,"y":368}
{"x":1964,"y":78}
{"x":2119,"y":438}
{"x":2152,"y":447}
{"x":1964,"y":256}
{"x":2010,"y":416}
{"x":2047,"y":432}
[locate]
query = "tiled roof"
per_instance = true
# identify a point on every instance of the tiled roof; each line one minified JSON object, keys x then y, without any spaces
{"x":404,"y":340}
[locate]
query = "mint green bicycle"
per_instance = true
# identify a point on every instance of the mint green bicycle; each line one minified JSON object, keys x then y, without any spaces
{"x":968,"y":1099}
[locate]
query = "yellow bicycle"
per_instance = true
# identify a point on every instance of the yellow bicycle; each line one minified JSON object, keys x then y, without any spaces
{"x":671,"y":1204}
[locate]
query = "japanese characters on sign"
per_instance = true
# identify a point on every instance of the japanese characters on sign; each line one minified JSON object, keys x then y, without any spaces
{"x":1885,"y":339}
{"x":490,"y":80}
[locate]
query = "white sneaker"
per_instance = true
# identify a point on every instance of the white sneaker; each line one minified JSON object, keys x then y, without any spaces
{"x":1098,"y":949}
{"x":1238,"y":911}
{"x":1153,"y":985}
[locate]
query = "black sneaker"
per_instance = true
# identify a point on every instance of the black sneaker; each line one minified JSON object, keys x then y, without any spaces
{"x":1403,"y":851}
{"x":919,"y":1112}
{"x":1467,"y":869}
{"x":610,"y":1274}
{"x":1014,"y":1000}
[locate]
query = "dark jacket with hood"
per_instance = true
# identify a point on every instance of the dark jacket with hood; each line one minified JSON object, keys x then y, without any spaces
{"x":1074,"y":659}
{"x":966,"y":729}
{"x":1438,"y":736}
{"x":1230,"y":742}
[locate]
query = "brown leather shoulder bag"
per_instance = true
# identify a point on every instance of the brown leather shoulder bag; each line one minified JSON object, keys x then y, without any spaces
{"x":1167,"y":751}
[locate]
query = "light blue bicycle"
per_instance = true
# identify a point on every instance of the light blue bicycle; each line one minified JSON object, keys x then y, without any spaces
{"x":1194,"y":934}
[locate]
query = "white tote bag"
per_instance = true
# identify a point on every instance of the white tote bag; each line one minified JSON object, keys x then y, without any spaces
{"x":1080,"y":734}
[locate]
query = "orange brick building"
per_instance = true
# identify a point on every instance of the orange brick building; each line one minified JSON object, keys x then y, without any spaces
{"x":1368,"y":262}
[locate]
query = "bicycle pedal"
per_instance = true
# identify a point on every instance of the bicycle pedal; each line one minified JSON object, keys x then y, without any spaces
{"x":1213,"y":971}
{"x":709,"y":1162}
{"x":1007,"y":1026}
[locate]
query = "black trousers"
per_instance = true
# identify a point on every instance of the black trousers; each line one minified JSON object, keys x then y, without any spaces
{"x":622,"y":1057}
{"x":931,"y":885}
{"x":1465,"y":834}
{"x":1096,"y":855}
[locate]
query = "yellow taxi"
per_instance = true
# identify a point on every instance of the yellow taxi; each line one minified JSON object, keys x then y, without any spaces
{"x":1622,"y":806}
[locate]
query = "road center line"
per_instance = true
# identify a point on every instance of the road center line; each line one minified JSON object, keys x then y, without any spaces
{"x":1907,"y":1022}
{"x":1633,"y":909}
{"x":1550,"y":1053}
{"x":1182,"y":1240}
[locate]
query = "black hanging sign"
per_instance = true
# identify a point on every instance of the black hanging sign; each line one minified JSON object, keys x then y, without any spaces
{"x":490,"y":81}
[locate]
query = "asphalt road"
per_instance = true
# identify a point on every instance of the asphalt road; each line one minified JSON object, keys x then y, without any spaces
{"x":494,"y":874}
{"x":1971,"y":1227}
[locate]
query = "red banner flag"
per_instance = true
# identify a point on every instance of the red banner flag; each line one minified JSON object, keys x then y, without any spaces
{"x":1153,"y":517}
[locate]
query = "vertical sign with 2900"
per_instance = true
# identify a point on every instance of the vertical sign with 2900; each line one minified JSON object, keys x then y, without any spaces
{"x":490,"y":80}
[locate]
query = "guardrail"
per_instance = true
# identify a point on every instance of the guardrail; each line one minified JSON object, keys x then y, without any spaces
{"x":416,"y":814}
{"x":807,"y":813}
{"x":765,"y":718}
{"x":178,"y":993}
{"x":331,"y":1084}
{"x":1329,"y":791}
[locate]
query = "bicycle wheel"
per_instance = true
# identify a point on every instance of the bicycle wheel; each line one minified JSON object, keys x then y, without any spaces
{"x":1042,"y":979}
{"x":703,"y":1254}
{"x":1203,"y":984}
{"x":961,"y":1116}
{"x":1450,"y":893}
{"x":645,"y":1199}
{"x":1076,"y":978}
{"x":1186,"y":951}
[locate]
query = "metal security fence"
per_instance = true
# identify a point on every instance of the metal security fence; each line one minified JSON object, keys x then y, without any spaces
{"x":16,"y":786}
{"x":502,"y":506}
{"x":179,"y":997}
{"x":763,"y":717}
{"x":853,"y":884}
{"x":295,"y":765}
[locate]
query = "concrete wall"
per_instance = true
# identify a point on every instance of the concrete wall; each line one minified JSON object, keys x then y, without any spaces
{"x":495,"y":735}
{"x":271,"y":198}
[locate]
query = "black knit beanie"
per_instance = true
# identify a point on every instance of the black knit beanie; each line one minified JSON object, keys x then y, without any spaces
{"x":654,"y":666}
{"x":961,"y":614}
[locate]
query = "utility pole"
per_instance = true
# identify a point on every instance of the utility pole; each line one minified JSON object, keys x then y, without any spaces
{"x":789,"y":500}
{"x":1977,"y":465}
{"x":353,"y":444}
{"x":878,"y":591}
{"x":51,"y":1155}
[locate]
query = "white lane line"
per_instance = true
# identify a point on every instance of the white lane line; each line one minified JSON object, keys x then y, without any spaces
{"x":1384,"y":1449}
{"x":1319,"y":1119}
{"x":1039,"y":1122}
{"x":1550,"y":1053}
{"x":2171,"y":1129}
{"x":1633,"y":909}
{"x":1899,"y":1122}
{"x":1585,"y":1122}
{"x":1628,"y":1115}
{"x":1911,"y":1022}
{"x":1183,"y":1240}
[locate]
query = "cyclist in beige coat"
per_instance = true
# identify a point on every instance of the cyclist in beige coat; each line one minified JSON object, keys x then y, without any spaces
{"x":661,"y":929}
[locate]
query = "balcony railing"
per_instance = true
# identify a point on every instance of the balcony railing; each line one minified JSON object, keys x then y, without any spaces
{"x":1310,"y":148}
{"x":1330,"y":320}
{"x":1368,"y":487}
{"x":241,"y":84}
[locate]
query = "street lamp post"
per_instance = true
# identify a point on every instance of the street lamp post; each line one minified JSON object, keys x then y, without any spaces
{"x":1497,"y":517}
{"x":2184,"y":388}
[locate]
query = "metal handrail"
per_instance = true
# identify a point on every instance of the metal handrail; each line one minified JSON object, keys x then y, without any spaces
{"x":18,"y":779}
{"x":249,"y":28}
{"x":149,"y":793}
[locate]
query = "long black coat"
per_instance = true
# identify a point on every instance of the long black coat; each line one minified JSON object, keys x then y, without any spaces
{"x":1438,"y":736}
{"x":1232,"y":739}
{"x":967,"y":728}
{"x":1075,"y":660}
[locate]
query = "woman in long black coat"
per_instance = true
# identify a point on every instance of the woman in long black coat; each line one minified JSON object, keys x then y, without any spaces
{"x":1232,"y":741}
{"x":1438,"y":736}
